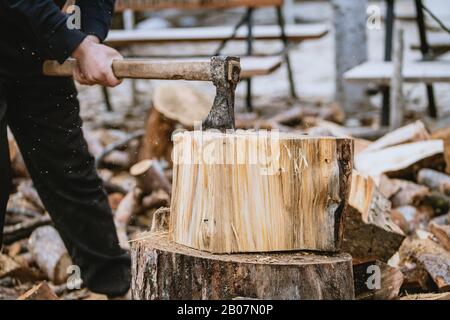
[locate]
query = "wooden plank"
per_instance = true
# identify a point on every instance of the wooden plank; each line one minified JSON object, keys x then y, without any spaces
{"x":259,"y":66}
{"x":438,"y":42}
{"x":152,"y":5}
{"x":117,"y":38}
{"x":381,"y":72}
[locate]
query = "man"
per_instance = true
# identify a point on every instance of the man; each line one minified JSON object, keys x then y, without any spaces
{"x":43,"y":114}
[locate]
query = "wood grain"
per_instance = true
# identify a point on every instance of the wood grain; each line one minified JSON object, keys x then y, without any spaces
{"x":256,"y":192}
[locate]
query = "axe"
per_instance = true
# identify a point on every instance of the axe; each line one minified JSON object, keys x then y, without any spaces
{"x":223,"y":72}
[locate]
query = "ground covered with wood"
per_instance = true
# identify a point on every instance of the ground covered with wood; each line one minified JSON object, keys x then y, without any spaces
{"x":397,"y":220}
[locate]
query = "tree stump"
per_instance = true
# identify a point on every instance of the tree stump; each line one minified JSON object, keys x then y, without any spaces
{"x":162,"y":269}
{"x":259,"y":192}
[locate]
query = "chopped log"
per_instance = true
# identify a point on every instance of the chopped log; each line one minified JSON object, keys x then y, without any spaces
{"x":150,"y":176}
{"x":156,"y":199}
{"x":440,"y":228}
{"x":435,"y":180}
{"x":258,"y":192}
{"x":13,"y":268}
{"x":161,"y":219}
{"x":420,"y":257}
{"x":120,"y":158}
{"x":410,"y":218}
{"x":370,"y":233}
{"x":39,"y":292}
{"x":125,"y":210}
{"x":406,"y":192}
{"x":410,"y":133}
{"x":172,"y":104}
{"x":50,"y":253}
{"x":162,"y":269}
{"x":375,"y":280}
{"x":438,"y":267}
{"x":402,"y":161}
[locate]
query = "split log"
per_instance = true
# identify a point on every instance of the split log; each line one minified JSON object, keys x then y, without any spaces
{"x":156,"y":199}
{"x":150,"y":176}
{"x":161,"y":218}
{"x":125,"y":210}
{"x":258,"y":192}
{"x":50,"y":253}
{"x":39,"y":292}
{"x":410,"y":218}
{"x":172,"y":104}
{"x":162,"y":269}
{"x":410,"y":133}
{"x":14,"y":268}
{"x":370,"y":233}
{"x":440,"y":228}
{"x":406,"y":192}
{"x":435,"y":180}
{"x":402,"y":161}
{"x":419,"y":256}
{"x":375,"y":280}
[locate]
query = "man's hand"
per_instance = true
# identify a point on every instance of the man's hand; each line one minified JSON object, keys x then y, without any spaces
{"x":94,"y":63}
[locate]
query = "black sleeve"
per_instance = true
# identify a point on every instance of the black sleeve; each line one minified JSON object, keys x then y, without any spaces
{"x":49,"y":24}
{"x":96,"y":16}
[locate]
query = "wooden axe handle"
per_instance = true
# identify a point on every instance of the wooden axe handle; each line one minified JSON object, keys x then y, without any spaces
{"x":199,"y":70}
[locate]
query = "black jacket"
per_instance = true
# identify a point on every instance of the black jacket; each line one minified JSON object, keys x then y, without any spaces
{"x":34,"y":30}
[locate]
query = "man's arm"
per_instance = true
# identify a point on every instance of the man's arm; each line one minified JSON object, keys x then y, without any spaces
{"x":96,"y":17}
{"x":49,"y":24}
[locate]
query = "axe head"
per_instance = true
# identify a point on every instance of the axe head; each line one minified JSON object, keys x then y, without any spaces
{"x":225,"y":74}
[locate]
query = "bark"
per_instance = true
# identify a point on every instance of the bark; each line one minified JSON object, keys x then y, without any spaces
{"x":50,"y":253}
{"x":162,"y":269}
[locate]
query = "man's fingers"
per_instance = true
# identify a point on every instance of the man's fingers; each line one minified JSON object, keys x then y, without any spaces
{"x":79,"y":76}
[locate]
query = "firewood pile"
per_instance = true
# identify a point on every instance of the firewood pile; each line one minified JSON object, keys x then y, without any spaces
{"x":397,"y":224}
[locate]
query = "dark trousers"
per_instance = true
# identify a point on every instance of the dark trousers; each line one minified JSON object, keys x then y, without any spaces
{"x":43,"y":115}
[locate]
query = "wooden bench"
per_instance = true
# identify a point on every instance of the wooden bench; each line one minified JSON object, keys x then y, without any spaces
{"x":380,"y":73}
{"x":295,"y":33}
{"x":438,"y":43}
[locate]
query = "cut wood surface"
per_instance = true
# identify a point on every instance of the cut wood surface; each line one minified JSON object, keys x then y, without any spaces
{"x":255,"y":192}
{"x":398,"y":160}
{"x":295,"y":33}
{"x":50,"y":253}
{"x":172,"y":104}
{"x":413,"y":132}
{"x":367,"y":287}
{"x":150,"y":176}
{"x":369,"y":233}
{"x":162,"y":269}
{"x":381,"y":72}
